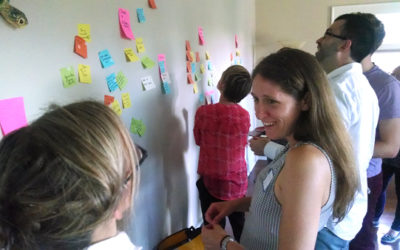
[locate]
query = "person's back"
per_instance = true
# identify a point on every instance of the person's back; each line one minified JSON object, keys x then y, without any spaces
{"x":221,"y":131}
{"x":66,"y":180}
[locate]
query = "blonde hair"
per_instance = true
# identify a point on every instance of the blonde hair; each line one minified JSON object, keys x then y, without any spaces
{"x":62,"y":176}
{"x":300,"y":75}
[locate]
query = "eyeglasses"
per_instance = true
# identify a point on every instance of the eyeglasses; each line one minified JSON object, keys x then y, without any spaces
{"x":327,"y":33}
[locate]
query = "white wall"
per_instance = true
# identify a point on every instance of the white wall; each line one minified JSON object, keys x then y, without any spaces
{"x":31,"y":58}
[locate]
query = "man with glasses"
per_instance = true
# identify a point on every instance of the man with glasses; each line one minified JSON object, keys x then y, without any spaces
{"x":345,"y":43}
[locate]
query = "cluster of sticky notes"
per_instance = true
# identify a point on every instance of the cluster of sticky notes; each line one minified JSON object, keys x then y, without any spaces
{"x":140,"y":15}
{"x":189,"y":60}
{"x":236,"y":59}
{"x":164,"y":75}
{"x":137,"y":127}
{"x":105,"y":59}
{"x":68,"y":76}
{"x":125,"y":24}
{"x":130,"y":55}
{"x":12,"y":114}
{"x":147,"y":83}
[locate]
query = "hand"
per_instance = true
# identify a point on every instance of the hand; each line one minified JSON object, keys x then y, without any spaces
{"x":257,"y":145}
{"x":218,"y":210}
{"x":212,"y":236}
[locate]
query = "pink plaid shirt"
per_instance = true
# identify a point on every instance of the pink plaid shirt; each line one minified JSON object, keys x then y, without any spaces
{"x":221,"y":131}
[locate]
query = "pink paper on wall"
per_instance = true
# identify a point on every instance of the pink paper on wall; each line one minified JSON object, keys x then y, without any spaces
{"x":236,"y":42}
{"x":125,"y":24}
{"x":201,"y":36}
{"x":12,"y":114}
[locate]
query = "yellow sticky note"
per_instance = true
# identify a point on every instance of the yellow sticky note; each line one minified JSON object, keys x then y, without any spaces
{"x":130,"y":55}
{"x":195,"y":89}
{"x":84,"y":31}
{"x":237,"y":52}
{"x":84,"y":73}
{"x":193,"y":56}
{"x":140,"y":45}
{"x":126,"y":100}
{"x":202,"y":69}
{"x":116,"y":107}
{"x":207,"y":56}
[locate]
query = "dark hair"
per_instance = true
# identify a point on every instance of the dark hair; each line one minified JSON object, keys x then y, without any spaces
{"x":299,"y":74}
{"x":358,"y":28}
{"x":379,"y":30}
{"x":62,"y":176}
{"x":237,"y":83}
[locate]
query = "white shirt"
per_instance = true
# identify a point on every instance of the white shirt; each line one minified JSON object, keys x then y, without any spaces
{"x":121,"y":242}
{"x":358,"y":105}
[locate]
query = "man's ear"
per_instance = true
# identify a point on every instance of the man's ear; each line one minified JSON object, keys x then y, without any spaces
{"x":346,"y":45}
{"x":305,"y":102}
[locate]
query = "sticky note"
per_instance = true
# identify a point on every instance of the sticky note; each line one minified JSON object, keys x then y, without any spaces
{"x":126,"y":100}
{"x":202,"y":69}
{"x":152,"y":4}
{"x":147,"y":63}
{"x":236,"y":41}
{"x":166,"y":88}
{"x":80,"y":47}
{"x":209,"y":66}
{"x":108,"y":99}
{"x":140,"y":45}
{"x":197,"y":77}
{"x":237,"y":52}
{"x":12,"y":114}
{"x":125,"y":24}
{"x":111,"y":82}
{"x":147,"y":83}
{"x":188,"y":67}
{"x":130,"y":55}
{"x":207,"y":55}
{"x":231,"y":57}
{"x":189,"y":56}
{"x":195,"y":88}
{"x":189,"y":78}
{"x":116,"y":107}
{"x":84,"y":73}
{"x":105,"y":59}
{"x":137,"y":127}
{"x":121,"y":80}
{"x":161,"y":65}
{"x":84,"y":31}
{"x":188,"y":45}
{"x":68,"y":76}
{"x":165,"y":77}
{"x":201,"y":36}
{"x":197,"y":57}
{"x":161,"y":57}
{"x":140,"y":15}
{"x":201,"y":97}
{"x":193,"y":66}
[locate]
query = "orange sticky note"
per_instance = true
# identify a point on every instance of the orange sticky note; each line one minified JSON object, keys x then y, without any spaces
{"x":108,"y":99}
{"x":231,"y":57}
{"x":197,"y":57}
{"x":152,"y":4}
{"x":189,"y":56}
{"x":188,"y":67}
{"x":80,"y":47}
{"x":236,"y":41}
{"x":190,"y":79}
{"x":188,"y":45}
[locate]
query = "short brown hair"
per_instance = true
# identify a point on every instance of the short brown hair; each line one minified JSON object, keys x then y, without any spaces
{"x":237,"y":83}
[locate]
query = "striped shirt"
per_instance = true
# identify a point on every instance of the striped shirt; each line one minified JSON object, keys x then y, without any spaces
{"x":261,"y":227}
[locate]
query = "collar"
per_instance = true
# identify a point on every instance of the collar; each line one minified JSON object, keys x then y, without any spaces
{"x":354,"y":67}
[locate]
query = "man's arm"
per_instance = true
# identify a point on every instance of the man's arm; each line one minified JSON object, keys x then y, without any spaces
{"x":389,"y":143}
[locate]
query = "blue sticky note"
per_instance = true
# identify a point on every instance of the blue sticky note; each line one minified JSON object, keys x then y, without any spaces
{"x":161,"y":64}
{"x":209,"y":66}
{"x":166,"y":88}
{"x":193,"y":65}
{"x":212,"y":100}
{"x":112,"y":82}
{"x":201,"y":97}
{"x":140,"y":15}
{"x":105,"y":59}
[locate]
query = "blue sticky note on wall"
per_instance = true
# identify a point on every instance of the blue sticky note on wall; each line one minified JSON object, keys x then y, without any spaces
{"x":161,"y":64}
{"x":112,"y":82}
{"x":166,"y":88}
{"x":105,"y":59}
{"x":209,"y":66}
{"x":193,"y":65}
{"x":140,"y":15}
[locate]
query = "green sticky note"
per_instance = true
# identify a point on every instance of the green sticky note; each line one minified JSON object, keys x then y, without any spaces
{"x":147,"y":63}
{"x":137,"y":127}
{"x":68,"y":76}
{"x":121,"y":80}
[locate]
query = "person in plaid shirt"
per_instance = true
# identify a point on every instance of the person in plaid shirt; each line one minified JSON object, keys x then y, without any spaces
{"x":221,"y":131}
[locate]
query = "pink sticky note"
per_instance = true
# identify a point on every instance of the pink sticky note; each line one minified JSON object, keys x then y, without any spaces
{"x":236,"y":41}
{"x":201,"y":36}
{"x":12,"y":114}
{"x":161,"y":57}
{"x":125,"y":24}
